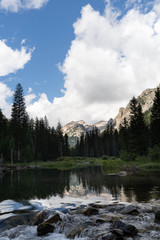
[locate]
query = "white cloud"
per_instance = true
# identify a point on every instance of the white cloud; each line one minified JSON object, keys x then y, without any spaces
{"x":12,"y":60}
{"x":109,"y":61}
{"x":16,"y":5}
{"x":29,"y":98}
{"x":5,"y":93}
{"x":30,"y":90}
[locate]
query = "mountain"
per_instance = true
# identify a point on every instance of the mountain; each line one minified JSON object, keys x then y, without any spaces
{"x":145,"y":99}
{"x":74,"y":129}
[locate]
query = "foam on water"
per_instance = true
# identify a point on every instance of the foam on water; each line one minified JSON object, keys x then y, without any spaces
{"x":30,"y":233}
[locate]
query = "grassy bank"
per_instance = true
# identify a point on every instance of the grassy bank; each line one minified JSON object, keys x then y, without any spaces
{"x":108,"y":164}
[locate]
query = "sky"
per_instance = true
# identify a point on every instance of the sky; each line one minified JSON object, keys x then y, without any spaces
{"x":78,"y":59}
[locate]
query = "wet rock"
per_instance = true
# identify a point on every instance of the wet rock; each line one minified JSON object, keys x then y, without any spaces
{"x":157,"y":216}
{"x":39,"y":218}
{"x":112,"y":236}
{"x":108,"y":218}
{"x":45,"y":228}
{"x":120,"y":228}
{"x":132,"y":210}
{"x":13,"y":221}
{"x":75,"y":231}
{"x":54,"y":219}
{"x":90,"y":211}
{"x":97,"y":205}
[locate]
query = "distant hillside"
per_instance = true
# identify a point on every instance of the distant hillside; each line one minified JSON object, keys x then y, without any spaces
{"x":74,"y":129}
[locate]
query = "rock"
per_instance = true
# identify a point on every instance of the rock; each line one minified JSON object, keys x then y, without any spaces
{"x":39,"y":218}
{"x":90,"y":211}
{"x":130,"y":210}
{"x":45,"y":228}
{"x":120,"y":228}
{"x":112,"y":236}
{"x":54,"y":219}
{"x":13,"y":221}
{"x":108,"y":218}
{"x":157,"y":216}
{"x":95,"y":205}
{"x":75,"y":231}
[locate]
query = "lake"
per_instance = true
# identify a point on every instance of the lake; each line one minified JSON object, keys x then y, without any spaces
{"x":88,"y":183}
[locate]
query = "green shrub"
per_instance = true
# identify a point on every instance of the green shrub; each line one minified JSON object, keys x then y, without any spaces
{"x":112,"y":165}
{"x":154,"y":153}
{"x":127,"y":156}
{"x":104,"y":157}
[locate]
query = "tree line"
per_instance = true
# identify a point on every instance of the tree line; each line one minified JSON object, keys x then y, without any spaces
{"x":26,"y":140}
{"x":134,"y":138}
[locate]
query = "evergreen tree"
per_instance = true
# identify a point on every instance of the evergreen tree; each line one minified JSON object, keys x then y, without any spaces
{"x":60,"y":140}
{"x":19,"y":120}
{"x":155,"y":119}
{"x":137,"y":129}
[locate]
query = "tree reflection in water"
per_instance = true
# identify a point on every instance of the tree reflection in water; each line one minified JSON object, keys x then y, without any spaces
{"x":42,"y":184}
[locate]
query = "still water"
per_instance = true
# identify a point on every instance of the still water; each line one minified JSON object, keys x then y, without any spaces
{"x":52,"y":187}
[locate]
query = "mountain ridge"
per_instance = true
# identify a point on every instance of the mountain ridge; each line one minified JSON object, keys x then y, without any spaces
{"x":74,"y":129}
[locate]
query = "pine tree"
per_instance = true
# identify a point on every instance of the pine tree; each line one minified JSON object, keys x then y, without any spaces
{"x":137,"y":129}
{"x":155,"y":119}
{"x":19,"y":120}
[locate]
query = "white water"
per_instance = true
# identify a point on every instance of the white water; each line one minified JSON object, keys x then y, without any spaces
{"x":30,"y":233}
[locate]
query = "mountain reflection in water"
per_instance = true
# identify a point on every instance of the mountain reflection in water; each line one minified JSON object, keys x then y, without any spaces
{"x":80,"y":183}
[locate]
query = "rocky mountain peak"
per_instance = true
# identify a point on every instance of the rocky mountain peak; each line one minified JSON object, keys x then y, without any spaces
{"x":145,"y":99}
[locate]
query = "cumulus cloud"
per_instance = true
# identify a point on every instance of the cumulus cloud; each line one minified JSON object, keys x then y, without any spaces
{"x":5,"y":93}
{"x":29,"y":98}
{"x":16,"y":5}
{"x":12,"y":60}
{"x":110,"y":60}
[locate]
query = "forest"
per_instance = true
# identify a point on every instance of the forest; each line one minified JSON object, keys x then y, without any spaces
{"x":26,"y":140}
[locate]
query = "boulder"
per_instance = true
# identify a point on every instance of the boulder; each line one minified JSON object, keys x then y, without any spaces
{"x":54,"y":219}
{"x":108,"y":218}
{"x":97,"y":205}
{"x":123,"y":229}
{"x":39,"y":218}
{"x":112,"y":236}
{"x":157,"y":216}
{"x":90,"y":211}
{"x":132,"y":210}
{"x":45,"y":228}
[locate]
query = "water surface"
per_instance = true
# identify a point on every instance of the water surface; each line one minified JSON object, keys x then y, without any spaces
{"x":52,"y":186}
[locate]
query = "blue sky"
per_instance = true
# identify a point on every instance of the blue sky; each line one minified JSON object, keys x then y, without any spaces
{"x":48,"y":29}
{"x":78,"y":59}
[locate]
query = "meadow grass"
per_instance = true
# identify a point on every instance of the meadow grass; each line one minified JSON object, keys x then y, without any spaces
{"x":108,"y":164}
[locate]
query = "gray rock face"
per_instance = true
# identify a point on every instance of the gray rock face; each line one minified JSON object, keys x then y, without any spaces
{"x":145,"y":99}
